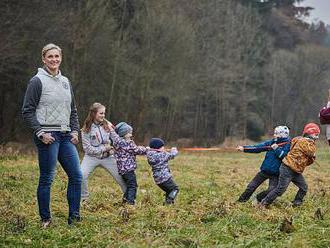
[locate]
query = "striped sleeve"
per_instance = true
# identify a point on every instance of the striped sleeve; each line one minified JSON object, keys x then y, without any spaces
{"x":74,"y":122}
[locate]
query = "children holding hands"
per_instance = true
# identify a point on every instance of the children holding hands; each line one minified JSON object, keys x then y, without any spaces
{"x":125,"y":154}
{"x":284,"y":162}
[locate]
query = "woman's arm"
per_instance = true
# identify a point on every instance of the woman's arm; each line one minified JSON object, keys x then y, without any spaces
{"x":74,"y":122}
{"x":30,"y":104}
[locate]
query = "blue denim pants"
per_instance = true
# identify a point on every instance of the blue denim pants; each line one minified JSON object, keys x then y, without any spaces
{"x":66,"y":153}
{"x":131,"y":183}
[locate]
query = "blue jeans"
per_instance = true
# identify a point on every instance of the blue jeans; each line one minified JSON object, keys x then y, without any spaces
{"x":131,"y":183}
{"x":287,"y":175}
{"x":66,"y":153}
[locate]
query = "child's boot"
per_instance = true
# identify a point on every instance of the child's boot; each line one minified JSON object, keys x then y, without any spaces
{"x":296,"y":203}
{"x":171,"y":196}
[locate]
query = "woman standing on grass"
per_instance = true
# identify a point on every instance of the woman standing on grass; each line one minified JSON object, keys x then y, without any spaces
{"x":97,"y":148}
{"x":49,"y":109}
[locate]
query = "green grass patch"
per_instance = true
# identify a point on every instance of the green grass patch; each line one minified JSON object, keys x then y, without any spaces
{"x":205,"y":215}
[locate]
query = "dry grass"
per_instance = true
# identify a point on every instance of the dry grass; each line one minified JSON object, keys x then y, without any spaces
{"x":205,"y":214}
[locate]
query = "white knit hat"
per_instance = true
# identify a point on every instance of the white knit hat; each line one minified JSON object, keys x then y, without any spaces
{"x":282,"y":131}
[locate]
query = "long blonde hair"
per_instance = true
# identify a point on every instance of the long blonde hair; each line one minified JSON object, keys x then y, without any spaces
{"x":94,"y":108}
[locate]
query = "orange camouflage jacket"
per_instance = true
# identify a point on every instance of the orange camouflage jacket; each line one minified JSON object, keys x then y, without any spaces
{"x":301,"y":154}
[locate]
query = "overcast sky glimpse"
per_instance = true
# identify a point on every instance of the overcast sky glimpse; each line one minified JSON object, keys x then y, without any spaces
{"x":321,"y":10}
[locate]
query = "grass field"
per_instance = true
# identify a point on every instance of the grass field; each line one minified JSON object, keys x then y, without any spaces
{"x":205,"y":214}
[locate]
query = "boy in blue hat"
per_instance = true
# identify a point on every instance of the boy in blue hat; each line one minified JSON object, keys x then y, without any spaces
{"x":158,"y":160}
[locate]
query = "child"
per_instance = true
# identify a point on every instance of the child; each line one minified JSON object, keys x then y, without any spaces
{"x":125,"y":154}
{"x":276,"y":149}
{"x":97,"y":148}
{"x":158,"y":160}
{"x":301,"y":155}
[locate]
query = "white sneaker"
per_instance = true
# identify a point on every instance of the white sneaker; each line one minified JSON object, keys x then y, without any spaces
{"x":46,"y":223}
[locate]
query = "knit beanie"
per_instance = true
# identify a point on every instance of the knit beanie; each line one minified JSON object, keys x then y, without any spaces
{"x":282,"y":131}
{"x":156,"y":143}
{"x":123,"y":128}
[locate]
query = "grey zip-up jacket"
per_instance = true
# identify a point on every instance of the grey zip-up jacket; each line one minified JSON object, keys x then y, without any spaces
{"x":49,"y":104}
{"x":95,"y":140}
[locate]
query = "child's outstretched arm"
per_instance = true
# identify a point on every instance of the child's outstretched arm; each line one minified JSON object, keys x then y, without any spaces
{"x":172,"y":154}
{"x":137,"y":150}
{"x":162,"y":157}
{"x":128,"y":146}
{"x":257,"y":148}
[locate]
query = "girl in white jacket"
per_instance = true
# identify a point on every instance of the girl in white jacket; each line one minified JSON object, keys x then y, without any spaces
{"x":97,"y":147}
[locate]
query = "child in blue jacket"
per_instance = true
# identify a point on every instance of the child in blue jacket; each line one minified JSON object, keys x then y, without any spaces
{"x":276,"y":149}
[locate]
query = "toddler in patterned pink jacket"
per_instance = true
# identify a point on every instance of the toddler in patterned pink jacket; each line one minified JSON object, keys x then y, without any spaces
{"x":125,"y":154}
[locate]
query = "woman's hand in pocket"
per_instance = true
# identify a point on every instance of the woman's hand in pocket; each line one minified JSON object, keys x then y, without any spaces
{"x":47,"y":138}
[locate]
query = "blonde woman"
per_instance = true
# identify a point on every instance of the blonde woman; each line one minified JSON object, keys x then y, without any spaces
{"x":49,"y":110}
{"x":97,"y":148}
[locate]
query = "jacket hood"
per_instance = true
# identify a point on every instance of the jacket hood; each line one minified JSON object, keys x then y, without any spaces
{"x":42,"y":71}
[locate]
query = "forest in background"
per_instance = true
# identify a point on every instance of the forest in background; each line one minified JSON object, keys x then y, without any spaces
{"x":200,"y":70}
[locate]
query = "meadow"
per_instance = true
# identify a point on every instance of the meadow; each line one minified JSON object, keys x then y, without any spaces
{"x":205,"y":214}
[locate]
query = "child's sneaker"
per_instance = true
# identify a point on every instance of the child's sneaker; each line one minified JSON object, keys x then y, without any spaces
{"x":255,"y":200}
{"x":127,"y":202}
{"x":262,"y":206}
{"x":46,"y":223}
{"x":168,"y":201}
{"x":243,"y":198}
{"x":296,"y":204}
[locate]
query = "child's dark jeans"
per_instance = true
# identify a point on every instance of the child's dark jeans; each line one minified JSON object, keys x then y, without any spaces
{"x":287,"y":175}
{"x":255,"y":183}
{"x":131,"y":183}
{"x":171,"y":190}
